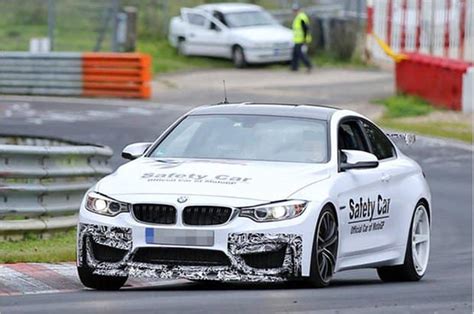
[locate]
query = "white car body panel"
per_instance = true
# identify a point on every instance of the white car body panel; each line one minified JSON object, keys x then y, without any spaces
{"x":393,"y":189}
{"x":261,"y":44}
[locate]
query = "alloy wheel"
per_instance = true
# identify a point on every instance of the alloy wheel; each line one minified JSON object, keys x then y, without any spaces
{"x":327,"y":245}
{"x":420,"y":238}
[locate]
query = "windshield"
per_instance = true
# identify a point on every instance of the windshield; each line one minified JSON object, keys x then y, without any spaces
{"x":246,"y":137}
{"x":249,"y":18}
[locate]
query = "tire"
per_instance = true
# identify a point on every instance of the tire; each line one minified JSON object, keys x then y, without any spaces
{"x":325,"y":245}
{"x":238,"y":57}
{"x":99,"y":282}
{"x":416,"y":257}
{"x":181,"y":47}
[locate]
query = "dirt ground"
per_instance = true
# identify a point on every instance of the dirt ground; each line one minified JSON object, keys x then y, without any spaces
{"x":351,"y":89}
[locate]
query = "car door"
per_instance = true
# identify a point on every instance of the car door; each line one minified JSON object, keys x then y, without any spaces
{"x":363,"y":202}
{"x":205,"y":35}
{"x":392,"y":175}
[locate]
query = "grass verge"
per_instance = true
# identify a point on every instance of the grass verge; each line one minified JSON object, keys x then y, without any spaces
{"x":454,"y":130}
{"x":59,"y":248}
{"x":403,"y":112}
{"x":400,"y":106}
{"x":166,"y":59}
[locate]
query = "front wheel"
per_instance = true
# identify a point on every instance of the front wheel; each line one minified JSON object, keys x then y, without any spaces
{"x":99,"y":282}
{"x":324,"y":254}
{"x":417,"y":250}
{"x":238,"y":57}
{"x":182,"y":47}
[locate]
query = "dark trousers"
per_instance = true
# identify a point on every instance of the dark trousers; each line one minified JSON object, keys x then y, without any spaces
{"x":297,"y":55}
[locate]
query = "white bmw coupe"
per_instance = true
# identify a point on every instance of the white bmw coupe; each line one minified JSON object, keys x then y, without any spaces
{"x":258,"y":192}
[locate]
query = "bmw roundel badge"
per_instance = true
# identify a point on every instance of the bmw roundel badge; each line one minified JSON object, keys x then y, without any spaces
{"x":182,"y":199}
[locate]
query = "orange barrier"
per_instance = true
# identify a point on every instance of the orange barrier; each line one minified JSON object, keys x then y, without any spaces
{"x":116,"y":75}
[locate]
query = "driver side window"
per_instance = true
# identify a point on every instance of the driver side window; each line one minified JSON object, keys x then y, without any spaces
{"x":381,"y":145}
{"x":196,"y":19}
{"x":350,"y":136}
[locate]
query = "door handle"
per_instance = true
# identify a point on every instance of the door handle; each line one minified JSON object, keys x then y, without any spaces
{"x":386,"y":178}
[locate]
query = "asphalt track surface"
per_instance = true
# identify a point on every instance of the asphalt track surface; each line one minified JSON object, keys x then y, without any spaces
{"x":447,"y":286}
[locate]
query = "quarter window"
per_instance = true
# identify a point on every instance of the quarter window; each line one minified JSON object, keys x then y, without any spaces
{"x":381,"y":145}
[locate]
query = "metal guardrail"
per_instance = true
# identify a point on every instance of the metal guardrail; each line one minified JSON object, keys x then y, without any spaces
{"x":43,"y":180}
{"x":76,"y":74}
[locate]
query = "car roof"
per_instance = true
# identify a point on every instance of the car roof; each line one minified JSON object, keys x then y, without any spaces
{"x":320,"y":112}
{"x":229,"y":7}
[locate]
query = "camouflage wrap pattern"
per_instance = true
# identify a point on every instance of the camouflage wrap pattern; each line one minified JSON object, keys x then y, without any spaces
{"x":238,"y":244}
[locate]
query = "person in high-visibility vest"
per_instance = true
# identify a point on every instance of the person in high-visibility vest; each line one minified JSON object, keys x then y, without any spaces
{"x":301,"y":38}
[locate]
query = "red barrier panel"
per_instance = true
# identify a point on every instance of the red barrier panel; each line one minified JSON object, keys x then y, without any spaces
{"x":438,"y":80}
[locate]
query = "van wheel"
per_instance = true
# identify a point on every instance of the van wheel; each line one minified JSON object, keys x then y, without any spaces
{"x":238,"y":57}
{"x":417,"y":250}
{"x":324,"y":253}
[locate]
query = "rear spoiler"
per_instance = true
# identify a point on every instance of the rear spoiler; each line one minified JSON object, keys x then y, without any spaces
{"x":408,"y":138}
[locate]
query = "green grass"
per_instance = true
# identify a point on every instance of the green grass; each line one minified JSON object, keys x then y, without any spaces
{"x":59,"y":248}
{"x":458,"y":131}
{"x":405,"y":106}
{"x":400,"y":106}
{"x":166,"y":59}
{"x":324,"y":59}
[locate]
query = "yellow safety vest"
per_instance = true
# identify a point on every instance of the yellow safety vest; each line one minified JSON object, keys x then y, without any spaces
{"x":298,"y":33}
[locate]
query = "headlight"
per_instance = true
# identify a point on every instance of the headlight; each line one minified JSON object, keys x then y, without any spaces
{"x":103,"y":205}
{"x":274,"y":211}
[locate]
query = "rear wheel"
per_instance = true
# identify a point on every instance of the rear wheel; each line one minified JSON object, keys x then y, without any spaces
{"x":417,"y":250}
{"x":238,"y":57}
{"x":324,"y":254}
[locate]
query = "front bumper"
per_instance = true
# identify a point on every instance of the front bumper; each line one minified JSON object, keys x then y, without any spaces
{"x":238,"y":245}
{"x":267,"y":55}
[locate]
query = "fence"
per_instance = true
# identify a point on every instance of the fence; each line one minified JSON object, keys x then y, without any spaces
{"x":435,"y":39}
{"x":43,"y":181}
{"x":90,"y":25}
{"x":76,"y":74}
{"x":442,"y":28}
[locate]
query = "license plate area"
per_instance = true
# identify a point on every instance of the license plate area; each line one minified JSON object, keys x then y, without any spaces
{"x":179,"y":237}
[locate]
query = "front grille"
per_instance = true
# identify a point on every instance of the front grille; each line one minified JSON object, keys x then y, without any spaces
{"x":104,"y":253}
{"x":265,"y":259}
{"x":155,"y":213}
{"x":179,"y":256}
{"x":206,"y":215}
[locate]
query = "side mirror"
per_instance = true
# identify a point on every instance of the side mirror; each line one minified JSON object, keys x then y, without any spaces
{"x":133,"y":151}
{"x":357,"y":159}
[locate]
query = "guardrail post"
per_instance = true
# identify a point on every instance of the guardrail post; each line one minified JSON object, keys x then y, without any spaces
{"x":51,"y":23}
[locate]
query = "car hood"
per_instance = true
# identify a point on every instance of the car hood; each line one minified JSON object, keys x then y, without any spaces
{"x":262,"y":181}
{"x":265,"y":34}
